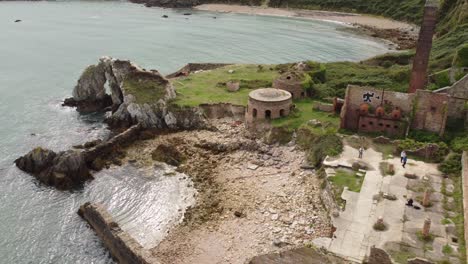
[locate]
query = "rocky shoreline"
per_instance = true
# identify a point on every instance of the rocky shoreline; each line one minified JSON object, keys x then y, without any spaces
{"x":253,"y":198}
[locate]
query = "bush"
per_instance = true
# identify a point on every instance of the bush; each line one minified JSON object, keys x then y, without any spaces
{"x":424,"y":136}
{"x":409,"y":144}
{"x":324,"y":145}
{"x":317,"y":71}
{"x":459,"y":144}
{"x":461,"y":56}
{"x":441,"y":79}
{"x":452,"y":165}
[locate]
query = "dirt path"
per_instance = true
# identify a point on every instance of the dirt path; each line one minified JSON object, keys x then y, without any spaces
{"x":258,"y":200}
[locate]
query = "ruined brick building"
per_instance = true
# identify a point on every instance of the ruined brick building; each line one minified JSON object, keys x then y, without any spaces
{"x":291,"y":82}
{"x":268,"y":103}
{"x":369,"y":109}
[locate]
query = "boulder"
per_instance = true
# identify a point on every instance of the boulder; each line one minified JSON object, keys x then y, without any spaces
{"x":63,"y":170}
{"x":135,"y":96}
{"x":36,"y":160}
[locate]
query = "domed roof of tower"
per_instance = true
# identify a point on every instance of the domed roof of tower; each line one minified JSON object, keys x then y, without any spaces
{"x":270,"y":95}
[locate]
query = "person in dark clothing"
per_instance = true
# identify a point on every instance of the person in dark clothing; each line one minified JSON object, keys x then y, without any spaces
{"x":405,"y":159}
{"x":410,"y":202}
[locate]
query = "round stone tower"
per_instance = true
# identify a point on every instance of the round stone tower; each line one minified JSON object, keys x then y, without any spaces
{"x":268,"y":103}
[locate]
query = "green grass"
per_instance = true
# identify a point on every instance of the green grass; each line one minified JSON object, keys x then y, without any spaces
{"x":402,"y":255}
{"x":344,"y":178}
{"x":459,"y":218}
{"x":146,"y":87}
{"x":340,"y":74}
{"x":208,"y":86}
{"x":305,"y":112}
{"x":447,"y":250}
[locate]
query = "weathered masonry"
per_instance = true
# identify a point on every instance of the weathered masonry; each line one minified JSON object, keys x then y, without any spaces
{"x":291,"y":82}
{"x":424,"y":46}
{"x":268,"y":103}
{"x":367,"y":109}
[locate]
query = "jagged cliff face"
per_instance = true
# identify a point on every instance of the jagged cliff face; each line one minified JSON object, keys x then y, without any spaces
{"x":135,"y":95}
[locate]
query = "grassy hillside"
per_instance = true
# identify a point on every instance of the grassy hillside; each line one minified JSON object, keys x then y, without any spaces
{"x":452,"y":28}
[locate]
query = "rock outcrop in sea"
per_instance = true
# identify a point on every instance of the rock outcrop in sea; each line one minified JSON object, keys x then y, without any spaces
{"x":134,"y":95}
{"x":64,"y":170}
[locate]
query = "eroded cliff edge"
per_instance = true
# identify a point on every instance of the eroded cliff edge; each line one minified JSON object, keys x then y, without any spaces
{"x":133,"y":98}
{"x":132,"y":95}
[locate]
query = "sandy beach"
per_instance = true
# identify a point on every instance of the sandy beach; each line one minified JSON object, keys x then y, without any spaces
{"x":346,"y":18}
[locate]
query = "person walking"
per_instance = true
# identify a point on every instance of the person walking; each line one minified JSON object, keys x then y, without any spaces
{"x":361,"y":151}
{"x":405,"y":159}
{"x":403,"y":156}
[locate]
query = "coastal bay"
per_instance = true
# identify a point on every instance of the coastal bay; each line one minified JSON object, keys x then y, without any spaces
{"x":43,"y":57}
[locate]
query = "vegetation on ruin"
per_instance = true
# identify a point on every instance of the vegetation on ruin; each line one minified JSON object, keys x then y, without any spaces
{"x":344,"y":178}
{"x":319,"y":141}
{"x":210,"y":86}
{"x":304,"y":112}
{"x":451,"y":165}
{"x":145,"y":87}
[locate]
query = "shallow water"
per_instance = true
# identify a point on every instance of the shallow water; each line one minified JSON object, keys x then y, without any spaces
{"x":40,"y":61}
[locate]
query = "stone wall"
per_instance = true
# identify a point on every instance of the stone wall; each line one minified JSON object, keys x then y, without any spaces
{"x":424,"y":109}
{"x":458,"y":98}
{"x":384,"y":125}
{"x":356,"y":96}
{"x":122,"y":247}
{"x":465,"y":193}
{"x":221,"y":110}
{"x":423,"y":48}
{"x":103,"y":149}
{"x":257,"y":110}
{"x":324,"y":107}
{"x":430,"y":111}
{"x":293,"y":86}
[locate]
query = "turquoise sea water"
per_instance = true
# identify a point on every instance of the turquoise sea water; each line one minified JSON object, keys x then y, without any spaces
{"x":40,"y":61}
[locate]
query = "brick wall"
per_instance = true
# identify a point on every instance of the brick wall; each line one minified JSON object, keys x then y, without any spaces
{"x":356,"y":95}
{"x":459,"y":96}
{"x":277,"y":109}
{"x":423,"y":48}
{"x":292,"y":86}
{"x":430,"y":111}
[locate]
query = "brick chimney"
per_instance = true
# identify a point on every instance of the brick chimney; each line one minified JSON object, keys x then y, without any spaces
{"x":423,"y":48}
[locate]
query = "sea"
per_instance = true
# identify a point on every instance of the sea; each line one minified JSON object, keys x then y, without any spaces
{"x":41,"y":58}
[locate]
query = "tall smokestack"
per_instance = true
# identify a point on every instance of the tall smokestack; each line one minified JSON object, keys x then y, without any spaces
{"x":423,"y":48}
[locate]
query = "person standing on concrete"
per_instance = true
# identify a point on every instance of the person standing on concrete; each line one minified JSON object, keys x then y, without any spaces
{"x":403,"y":156}
{"x":361,"y":151}
{"x":405,"y":159}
